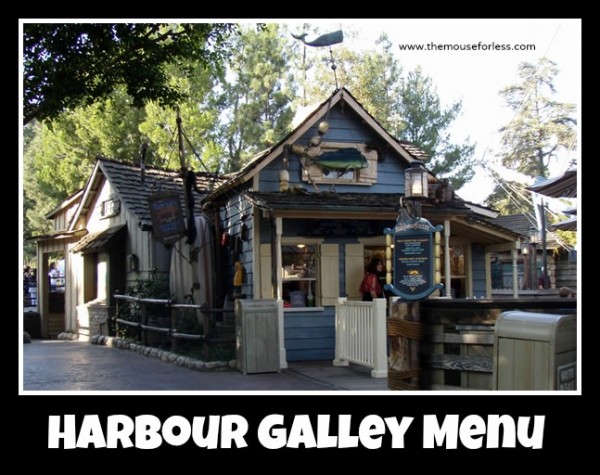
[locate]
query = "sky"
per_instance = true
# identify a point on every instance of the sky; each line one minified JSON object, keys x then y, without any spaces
{"x":475,"y":77}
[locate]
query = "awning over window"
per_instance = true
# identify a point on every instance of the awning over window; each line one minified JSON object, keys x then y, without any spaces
{"x":563,"y":186}
{"x":566,"y":225}
{"x":99,"y":241}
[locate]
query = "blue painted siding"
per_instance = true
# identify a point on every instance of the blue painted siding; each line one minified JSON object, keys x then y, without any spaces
{"x":231,"y":222}
{"x":344,"y":127}
{"x":478,"y":269}
{"x":310,"y":336}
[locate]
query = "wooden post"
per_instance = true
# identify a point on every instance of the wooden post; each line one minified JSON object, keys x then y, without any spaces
{"x":447,"y":268}
{"x":144,"y":319}
{"x":405,"y":332}
{"x":173,"y":327}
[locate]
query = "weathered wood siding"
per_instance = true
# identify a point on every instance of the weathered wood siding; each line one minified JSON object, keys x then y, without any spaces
{"x":566,"y":271}
{"x":458,"y":345}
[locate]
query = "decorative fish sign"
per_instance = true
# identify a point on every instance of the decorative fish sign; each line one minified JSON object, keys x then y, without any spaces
{"x":327,"y":39}
{"x":341,"y":160}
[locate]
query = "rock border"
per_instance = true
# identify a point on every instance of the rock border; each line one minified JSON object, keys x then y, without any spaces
{"x":163,"y":355}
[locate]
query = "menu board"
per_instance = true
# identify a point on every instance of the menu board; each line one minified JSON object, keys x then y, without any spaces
{"x":168,"y":225}
{"x":413,"y":270}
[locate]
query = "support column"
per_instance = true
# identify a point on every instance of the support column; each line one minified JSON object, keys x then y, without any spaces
{"x":406,"y":332}
{"x":515,"y":273}
{"x":278,"y":257}
{"x":447,"y":269}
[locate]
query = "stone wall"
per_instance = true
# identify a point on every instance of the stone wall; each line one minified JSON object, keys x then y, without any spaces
{"x":92,"y":319}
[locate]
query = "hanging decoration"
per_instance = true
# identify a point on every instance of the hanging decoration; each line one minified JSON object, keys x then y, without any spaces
{"x":327,"y":39}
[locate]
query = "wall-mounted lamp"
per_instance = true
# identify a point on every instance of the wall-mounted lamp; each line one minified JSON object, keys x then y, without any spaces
{"x":134,"y":263}
{"x":415,"y":188}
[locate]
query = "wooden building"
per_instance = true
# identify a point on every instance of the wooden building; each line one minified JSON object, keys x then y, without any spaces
{"x":304,"y":217}
{"x":104,"y":235}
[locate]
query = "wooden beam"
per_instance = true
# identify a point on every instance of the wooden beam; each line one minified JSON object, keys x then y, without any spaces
{"x":478,"y":364}
{"x":466,"y":338}
{"x":338,"y":214}
{"x":505,"y":246}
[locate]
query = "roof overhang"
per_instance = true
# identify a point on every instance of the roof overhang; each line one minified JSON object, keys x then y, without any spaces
{"x":89,"y":193}
{"x":100,"y":241}
{"x":58,"y":235}
{"x":372,"y":206}
{"x":65,"y":204}
{"x":566,"y":225}
{"x":563,"y":186}
{"x":482,"y":231}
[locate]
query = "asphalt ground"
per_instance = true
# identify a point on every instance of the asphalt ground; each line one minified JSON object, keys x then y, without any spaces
{"x":73,"y":366}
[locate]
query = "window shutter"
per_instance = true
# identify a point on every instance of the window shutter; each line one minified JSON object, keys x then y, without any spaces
{"x":369,"y":174}
{"x":355,"y":259}
{"x":330,"y":274}
{"x":266,"y":286}
{"x":314,"y":172}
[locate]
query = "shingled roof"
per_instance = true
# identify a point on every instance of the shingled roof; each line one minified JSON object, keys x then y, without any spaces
{"x":563,"y":186}
{"x":125,"y":179}
{"x":521,"y":224}
{"x":326,"y":201}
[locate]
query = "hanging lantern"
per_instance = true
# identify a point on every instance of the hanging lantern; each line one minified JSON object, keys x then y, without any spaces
{"x":415,"y":181}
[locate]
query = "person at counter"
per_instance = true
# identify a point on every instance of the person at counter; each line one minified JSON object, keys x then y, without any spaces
{"x":370,"y":287}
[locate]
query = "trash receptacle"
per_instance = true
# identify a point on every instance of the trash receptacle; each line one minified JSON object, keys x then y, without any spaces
{"x":32,"y":324}
{"x":535,"y":351}
{"x":257,"y":336}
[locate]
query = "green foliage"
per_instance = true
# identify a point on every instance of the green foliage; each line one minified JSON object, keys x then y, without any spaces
{"x":256,"y":100}
{"x":72,"y":64}
{"x":510,"y":199}
{"x":154,"y":286}
{"x":199,"y":115}
{"x":67,"y":149}
{"x":35,"y":202}
{"x":540,"y":128}
{"x":425,"y":123}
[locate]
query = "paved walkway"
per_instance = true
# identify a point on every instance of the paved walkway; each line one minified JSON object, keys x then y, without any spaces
{"x":61,"y":365}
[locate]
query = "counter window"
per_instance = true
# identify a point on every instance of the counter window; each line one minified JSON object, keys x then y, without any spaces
{"x":299,"y":275}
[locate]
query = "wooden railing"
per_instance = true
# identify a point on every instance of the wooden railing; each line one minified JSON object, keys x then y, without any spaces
{"x":173,"y":310}
{"x":360,"y":335}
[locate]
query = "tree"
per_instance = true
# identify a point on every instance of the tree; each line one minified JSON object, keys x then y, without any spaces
{"x":256,"y":100}
{"x":541,"y":126}
{"x":199,"y":117}
{"x":72,"y":64}
{"x":35,"y":202}
{"x":540,"y":129}
{"x":425,"y":123}
{"x":509,"y":197}
{"x":65,"y":153}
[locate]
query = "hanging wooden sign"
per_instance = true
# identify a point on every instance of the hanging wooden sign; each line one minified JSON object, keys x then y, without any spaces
{"x":414,"y":258}
{"x":168,"y":225}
